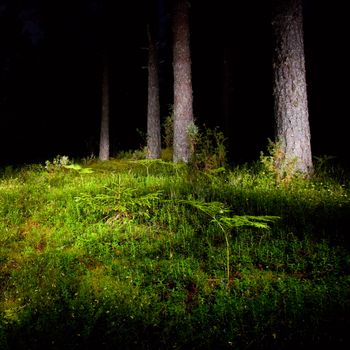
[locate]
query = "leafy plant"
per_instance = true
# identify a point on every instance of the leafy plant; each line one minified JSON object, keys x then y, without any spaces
{"x":168,"y":129}
{"x":209,"y":150}
{"x":219,"y":215}
{"x":277,"y":164}
{"x":193,"y":136}
{"x":57,"y":163}
{"x":138,"y":154}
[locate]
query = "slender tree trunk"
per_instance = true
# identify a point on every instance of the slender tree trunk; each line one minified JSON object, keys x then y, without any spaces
{"x":290,"y":94}
{"x":153,"y":108}
{"x":183,"y":100}
{"x":104,"y":132}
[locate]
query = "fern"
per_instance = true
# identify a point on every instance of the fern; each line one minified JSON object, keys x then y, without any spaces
{"x":219,"y":215}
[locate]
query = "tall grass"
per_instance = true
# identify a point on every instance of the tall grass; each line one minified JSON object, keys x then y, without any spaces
{"x":150,"y":254}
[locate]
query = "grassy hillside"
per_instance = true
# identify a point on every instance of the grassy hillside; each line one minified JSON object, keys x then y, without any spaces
{"x":153,"y":255}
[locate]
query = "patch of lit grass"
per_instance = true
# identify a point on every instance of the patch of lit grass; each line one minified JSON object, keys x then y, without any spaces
{"x":149,"y":254}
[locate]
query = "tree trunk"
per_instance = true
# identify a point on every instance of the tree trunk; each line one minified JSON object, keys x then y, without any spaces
{"x":289,"y":90}
{"x":183,"y":100}
{"x":104,"y":132}
{"x":153,"y":108}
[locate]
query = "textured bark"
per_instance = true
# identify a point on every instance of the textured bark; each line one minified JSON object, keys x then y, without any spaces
{"x":183,"y":100}
{"x":104,"y":132}
{"x":153,"y":108}
{"x":289,"y":90}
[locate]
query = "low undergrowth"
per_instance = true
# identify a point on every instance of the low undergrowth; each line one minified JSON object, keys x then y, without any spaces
{"x":152,"y":255}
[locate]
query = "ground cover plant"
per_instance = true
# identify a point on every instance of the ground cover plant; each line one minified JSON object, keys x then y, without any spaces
{"x":140,"y":254}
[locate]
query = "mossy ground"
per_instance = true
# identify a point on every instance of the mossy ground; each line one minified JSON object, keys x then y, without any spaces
{"x":141,"y":254}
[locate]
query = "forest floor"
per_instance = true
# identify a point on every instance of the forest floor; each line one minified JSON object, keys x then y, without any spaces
{"x":155,"y":255}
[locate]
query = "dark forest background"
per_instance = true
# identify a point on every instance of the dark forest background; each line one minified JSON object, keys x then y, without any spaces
{"x":50,"y":72}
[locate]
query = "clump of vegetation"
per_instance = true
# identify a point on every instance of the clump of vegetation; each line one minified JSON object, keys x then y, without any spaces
{"x":207,"y":145}
{"x":168,"y":130}
{"x":57,"y":163}
{"x":168,"y":136}
{"x":137,"y":154}
{"x":275,"y":163}
{"x":151,"y":254}
{"x":208,"y":148}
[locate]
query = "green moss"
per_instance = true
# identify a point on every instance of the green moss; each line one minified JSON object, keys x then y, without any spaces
{"x":150,"y":254}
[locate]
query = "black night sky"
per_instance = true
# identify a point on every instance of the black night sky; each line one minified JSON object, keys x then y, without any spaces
{"x":50,"y":54}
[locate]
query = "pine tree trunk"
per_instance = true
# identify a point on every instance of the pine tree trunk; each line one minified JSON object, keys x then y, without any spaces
{"x":104,"y":132}
{"x":290,"y":94}
{"x":183,"y":100}
{"x":153,"y":108}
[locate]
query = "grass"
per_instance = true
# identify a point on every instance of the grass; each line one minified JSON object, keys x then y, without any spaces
{"x":153,"y":255}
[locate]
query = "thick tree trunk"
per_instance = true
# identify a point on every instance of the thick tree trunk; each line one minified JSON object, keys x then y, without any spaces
{"x":104,"y":132}
{"x":153,"y":108}
{"x":183,"y":100}
{"x":289,"y":90}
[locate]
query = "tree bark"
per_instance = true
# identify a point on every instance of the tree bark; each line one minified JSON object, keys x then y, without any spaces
{"x":289,"y":84}
{"x":183,"y":100}
{"x":153,"y":107}
{"x":104,"y":132}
